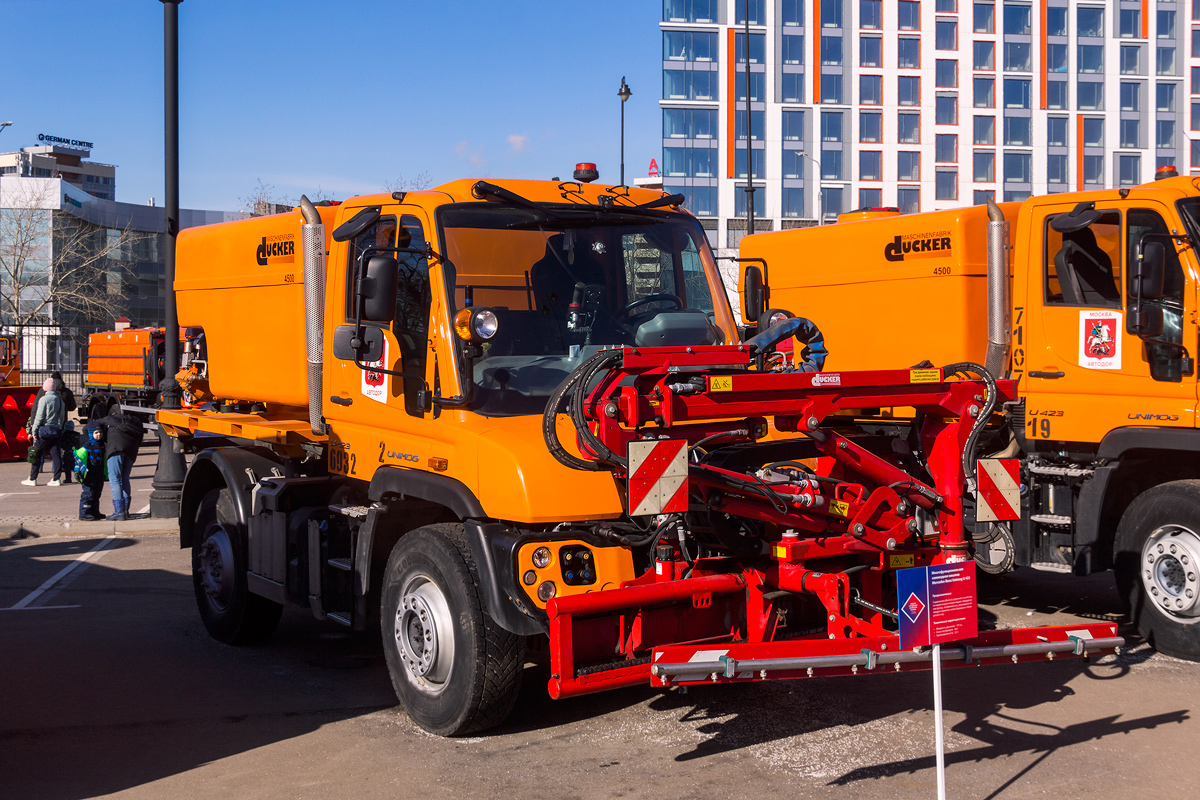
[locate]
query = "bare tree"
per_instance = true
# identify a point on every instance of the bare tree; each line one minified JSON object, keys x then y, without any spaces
{"x":423,"y":180}
{"x":57,"y":268}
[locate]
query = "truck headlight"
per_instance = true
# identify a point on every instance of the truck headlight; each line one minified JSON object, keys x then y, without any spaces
{"x":476,"y":324}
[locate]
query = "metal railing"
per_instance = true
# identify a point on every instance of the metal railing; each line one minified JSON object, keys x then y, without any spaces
{"x":46,"y":349}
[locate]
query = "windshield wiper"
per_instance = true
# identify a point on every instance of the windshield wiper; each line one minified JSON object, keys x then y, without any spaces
{"x":483,"y":189}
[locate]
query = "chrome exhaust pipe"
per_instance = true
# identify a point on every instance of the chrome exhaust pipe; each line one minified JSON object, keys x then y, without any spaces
{"x":998,"y":293}
{"x":312,"y":242}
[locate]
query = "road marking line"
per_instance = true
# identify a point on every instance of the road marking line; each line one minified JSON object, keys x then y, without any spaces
{"x":38,"y":608}
{"x":62,"y":573}
{"x":10,"y":494}
{"x":144,"y":509}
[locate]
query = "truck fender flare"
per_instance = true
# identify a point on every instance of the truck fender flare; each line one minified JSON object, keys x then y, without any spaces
{"x":223,"y":466}
{"x":1118,"y":442}
{"x":440,"y":489}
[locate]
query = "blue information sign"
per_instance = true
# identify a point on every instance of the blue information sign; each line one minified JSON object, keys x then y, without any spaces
{"x":937,"y":604}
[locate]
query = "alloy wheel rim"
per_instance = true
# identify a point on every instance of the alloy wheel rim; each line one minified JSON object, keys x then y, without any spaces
{"x":1170,"y":572}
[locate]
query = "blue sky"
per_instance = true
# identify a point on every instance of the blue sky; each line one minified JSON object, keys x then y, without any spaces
{"x":305,"y":99}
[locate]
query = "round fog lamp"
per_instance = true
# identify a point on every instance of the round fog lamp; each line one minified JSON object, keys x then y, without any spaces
{"x":541,"y":557}
{"x":530,"y":577}
{"x":776,"y":318}
{"x":547,"y":590}
{"x":484,"y":324}
{"x":462,"y":324}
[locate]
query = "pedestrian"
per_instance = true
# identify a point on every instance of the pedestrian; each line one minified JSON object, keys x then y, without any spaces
{"x":90,"y":466}
{"x":64,"y":393}
{"x":123,"y":435}
{"x":49,"y":419}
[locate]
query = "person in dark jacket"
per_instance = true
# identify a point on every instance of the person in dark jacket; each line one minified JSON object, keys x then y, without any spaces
{"x":47,"y":424}
{"x":61,"y":389}
{"x":123,"y":435}
{"x":90,"y":467}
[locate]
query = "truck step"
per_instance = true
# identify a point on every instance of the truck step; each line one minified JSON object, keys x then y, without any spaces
{"x":355,"y":512}
{"x":340,"y":563}
{"x":1066,"y":472}
{"x":1056,"y":520}
{"x":340,"y":616}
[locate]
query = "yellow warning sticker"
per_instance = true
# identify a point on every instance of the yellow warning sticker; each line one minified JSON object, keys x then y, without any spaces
{"x":839,"y":508}
{"x":720,"y":383}
{"x":900,"y":562}
{"x":924,"y":375}
{"x":779,"y":551}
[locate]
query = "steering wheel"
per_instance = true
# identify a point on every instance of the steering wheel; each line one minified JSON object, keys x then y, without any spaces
{"x":627,"y":311}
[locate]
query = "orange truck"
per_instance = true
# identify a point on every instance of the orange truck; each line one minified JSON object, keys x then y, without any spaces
{"x":1089,"y":303}
{"x":500,"y":419}
{"x":16,"y":402}
{"x":125,"y":368}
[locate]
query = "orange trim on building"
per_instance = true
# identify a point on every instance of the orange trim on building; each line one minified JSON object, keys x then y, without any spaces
{"x":814,"y":33}
{"x":732,"y":113}
{"x":1044,"y":65}
{"x":1145,"y":19}
{"x":1079,"y":152}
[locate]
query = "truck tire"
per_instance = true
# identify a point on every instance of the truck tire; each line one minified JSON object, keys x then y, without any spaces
{"x":231,"y":614}
{"x":454,"y":669}
{"x":1157,"y":558}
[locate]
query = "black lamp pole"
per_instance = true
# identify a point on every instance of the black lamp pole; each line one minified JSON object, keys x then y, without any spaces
{"x":171,"y":467}
{"x":624,"y":94}
{"x":749,"y":134}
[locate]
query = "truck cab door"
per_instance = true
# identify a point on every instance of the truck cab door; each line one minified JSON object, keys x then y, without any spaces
{"x":1084,"y":375}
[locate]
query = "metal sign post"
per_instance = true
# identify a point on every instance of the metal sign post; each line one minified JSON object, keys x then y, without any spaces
{"x":937,"y":722}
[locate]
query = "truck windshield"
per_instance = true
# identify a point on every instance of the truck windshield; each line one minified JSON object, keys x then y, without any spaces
{"x":1189,"y":209}
{"x":567,"y":283}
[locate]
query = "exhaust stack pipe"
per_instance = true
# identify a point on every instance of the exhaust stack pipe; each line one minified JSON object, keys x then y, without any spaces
{"x":312,"y":243}
{"x":999,"y":301}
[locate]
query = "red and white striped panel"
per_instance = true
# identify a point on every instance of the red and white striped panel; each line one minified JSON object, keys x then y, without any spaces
{"x":998,"y":490}
{"x":658,"y":477}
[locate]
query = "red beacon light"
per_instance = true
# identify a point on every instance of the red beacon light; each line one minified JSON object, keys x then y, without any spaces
{"x":1165,"y":171}
{"x":585,"y":172}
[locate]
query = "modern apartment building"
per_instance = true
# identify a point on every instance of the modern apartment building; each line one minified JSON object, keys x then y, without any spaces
{"x":921,"y":104}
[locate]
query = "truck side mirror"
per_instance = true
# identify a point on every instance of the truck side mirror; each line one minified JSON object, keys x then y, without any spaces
{"x":356,"y":224}
{"x":370,"y":344}
{"x":1145,"y":321}
{"x":1149,"y":272}
{"x":377,"y":289}
{"x":752,"y":293}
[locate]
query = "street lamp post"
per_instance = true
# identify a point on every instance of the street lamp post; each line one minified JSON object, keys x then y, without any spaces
{"x":624,"y":94}
{"x":816,"y":183}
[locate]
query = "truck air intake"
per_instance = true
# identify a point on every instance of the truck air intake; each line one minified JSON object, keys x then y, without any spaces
{"x":999,"y":316}
{"x":312,"y":238}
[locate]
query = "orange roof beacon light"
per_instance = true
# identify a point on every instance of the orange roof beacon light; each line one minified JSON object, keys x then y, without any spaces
{"x":1165,"y":171}
{"x":585,"y":172}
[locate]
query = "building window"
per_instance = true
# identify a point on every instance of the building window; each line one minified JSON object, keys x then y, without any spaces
{"x":1056,"y":94}
{"x":1131,"y":97}
{"x":675,"y":162}
{"x":908,"y":128}
{"x":946,"y":34}
{"x":831,"y":201}
{"x":984,"y":166}
{"x":689,"y":45}
{"x":1089,"y":21}
{"x":1056,"y":169}
{"x":1093,"y":132}
{"x":689,"y":10}
{"x":984,"y":18}
{"x":758,"y":124}
{"x":831,"y":165}
{"x":870,"y":51}
{"x":691,"y":85}
{"x":1016,"y":93}
{"x":1016,"y":20}
{"x":757,"y":17}
{"x":946,"y":109}
{"x":1166,"y":24}
{"x":1165,"y":134}
{"x":791,"y":13}
{"x":1091,"y":58}
{"x":1196,"y":116}
{"x":1130,"y":132}
{"x":1130,"y":169}
{"x":870,"y":90}
{"x":985,"y":55}
{"x":1056,"y":21}
{"x":981,"y":196}
{"x":793,"y":164}
{"x":946,"y":186}
{"x":1056,"y":131}
{"x":908,"y":198}
{"x":946,"y":148}
{"x":739,"y":163}
{"x":908,"y":52}
{"x":791,"y":87}
{"x":689,"y":123}
{"x":831,"y":14}
{"x":947,"y":74}
{"x":1090,"y":96}
{"x":1165,"y":61}
{"x":908,"y":91}
{"x":1165,"y":96}
{"x":1056,"y":58}
{"x":793,"y":203}
{"x":1131,"y":59}
{"x":870,"y":126}
{"x":870,"y":165}
{"x":831,"y":88}
{"x":908,"y":15}
{"x":700,"y":200}
{"x":1016,"y":131}
{"x":1017,"y":167}
{"x":985,"y":130}
{"x":1195,"y":42}
{"x":831,"y":126}
{"x":758,"y":47}
{"x":793,"y":49}
{"x":870,"y":198}
{"x":1196,"y":154}
{"x":908,"y":165}
{"x":831,"y":50}
{"x":985,"y":92}
{"x":1016,"y":56}
{"x":946,"y":6}
{"x":870,"y":14}
{"x":1129,"y":23}
{"x":1195,"y":80}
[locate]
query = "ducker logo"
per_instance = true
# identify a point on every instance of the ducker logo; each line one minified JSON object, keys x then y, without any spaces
{"x":276,"y":250}
{"x":918,"y":245}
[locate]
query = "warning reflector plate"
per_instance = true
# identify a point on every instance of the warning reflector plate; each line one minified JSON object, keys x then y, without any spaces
{"x":658,"y":477}
{"x":998,"y":491}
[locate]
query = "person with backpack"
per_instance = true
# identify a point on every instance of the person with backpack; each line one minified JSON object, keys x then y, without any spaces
{"x":91,"y":466}
{"x":48,"y":421}
{"x":123,"y":434}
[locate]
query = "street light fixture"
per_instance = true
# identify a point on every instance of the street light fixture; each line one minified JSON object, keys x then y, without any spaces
{"x":623,"y":93}
{"x":4,"y":125}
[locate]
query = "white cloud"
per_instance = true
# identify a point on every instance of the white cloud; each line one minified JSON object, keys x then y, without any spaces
{"x":517,"y":143}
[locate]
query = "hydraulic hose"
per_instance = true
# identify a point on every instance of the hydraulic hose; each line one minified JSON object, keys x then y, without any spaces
{"x":550,"y":419}
{"x":603,"y":360}
{"x":969,"y":459}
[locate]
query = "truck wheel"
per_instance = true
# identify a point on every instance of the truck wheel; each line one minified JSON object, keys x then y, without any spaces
{"x":1158,"y":566}
{"x":454,"y":669}
{"x":231,"y":614}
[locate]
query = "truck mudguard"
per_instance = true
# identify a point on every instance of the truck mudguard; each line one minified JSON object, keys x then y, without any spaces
{"x":494,"y":546}
{"x":238,"y":468}
{"x":1122,"y":440}
{"x":439,"y":489}
{"x":1087,"y":522}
